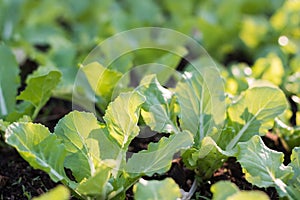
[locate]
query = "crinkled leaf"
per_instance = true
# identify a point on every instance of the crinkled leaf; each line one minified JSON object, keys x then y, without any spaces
{"x":40,"y":148}
{"x":157,"y":110}
{"x":155,"y":190}
{"x":9,"y":80}
{"x":205,"y":160}
{"x":202,"y":102}
{"x":254,"y":113}
{"x":158,"y":157}
{"x":74,"y":129}
{"x":263,"y":167}
{"x":38,"y":89}
{"x":225,"y":190}
{"x":295,"y":164}
{"x":122,"y":116}
{"x":97,"y":185}
{"x":59,"y":193}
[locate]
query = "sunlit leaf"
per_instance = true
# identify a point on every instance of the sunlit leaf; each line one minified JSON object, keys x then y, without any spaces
{"x":39,"y":88}
{"x":158,"y":157}
{"x":122,"y":116}
{"x":263,"y":167}
{"x":157,"y":110}
{"x":254,"y":114}
{"x":40,"y":148}
{"x":155,"y":190}
{"x":74,"y":129}
{"x":198,"y":94}
{"x":59,"y":192}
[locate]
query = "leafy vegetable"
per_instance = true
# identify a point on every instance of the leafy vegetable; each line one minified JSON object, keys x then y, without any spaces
{"x":79,"y":143}
{"x":157,"y":158}
{"x":226,"y":190}
{"x":198,"y":93}
{"x":294,"y":183}
{"x":40,"y":148}
{"x":252,"y":114}
{"x":74,"y":130}
{"x":102,"y":81}
{"x":38,"y":90}
{"x":156,"y":189}
{"x":97,"y":186}
{"x":59,"y":192}
{"x":158,"y":111}
{"x":123,"y":125}
{"x":255,"y":40}
{"x":9,"y":80}
{"x":263,"y":167}
{"x":205,"y":160}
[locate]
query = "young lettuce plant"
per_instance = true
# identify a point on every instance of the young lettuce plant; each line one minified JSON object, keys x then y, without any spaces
{"x":39,"y":86}
{"x":94,"y":152}
{"x":225,"y":190}
{"x":264,"y":167}
{"x":252,"y":114}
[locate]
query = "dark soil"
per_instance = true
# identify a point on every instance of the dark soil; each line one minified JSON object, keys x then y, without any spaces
{"x":20,"y":181}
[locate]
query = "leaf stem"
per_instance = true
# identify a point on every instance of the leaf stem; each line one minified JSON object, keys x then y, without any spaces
{"x":191,"y":192}
{"x":36,"y":112}
{"x":235,"y":140}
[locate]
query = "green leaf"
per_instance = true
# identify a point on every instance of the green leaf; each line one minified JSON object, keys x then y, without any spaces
{"x":225,"y":190}
{"x":41,"y":149}
{"x":102,"y":80}
{"x":254,"y":114}
{"x":155,"y":190}
{"x":122,"y":116}
{"x":21,"y":109}
{"x":295,"y":164}
{"x":59,"y":192}
{"x":207,"y":159}
{"x":249,"y":195}
{"x":3,"y":125}
{"x":97,"y":185}
{"x":100,"y":138}
{"x":9,"y":80}
{"x":289,"y":134}
{"x":157,"y":110}
{"x":263,"y":167}
{"x":158,"y":157}
{"x":73,"y":130}
{"x":198,"y":94}
{"x":38,"y":90}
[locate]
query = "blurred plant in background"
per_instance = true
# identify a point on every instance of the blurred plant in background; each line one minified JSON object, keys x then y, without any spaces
{"x":44,"y":43}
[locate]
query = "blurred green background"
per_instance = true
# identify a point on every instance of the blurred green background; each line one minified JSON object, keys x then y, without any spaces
{"x":249,"y":39}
